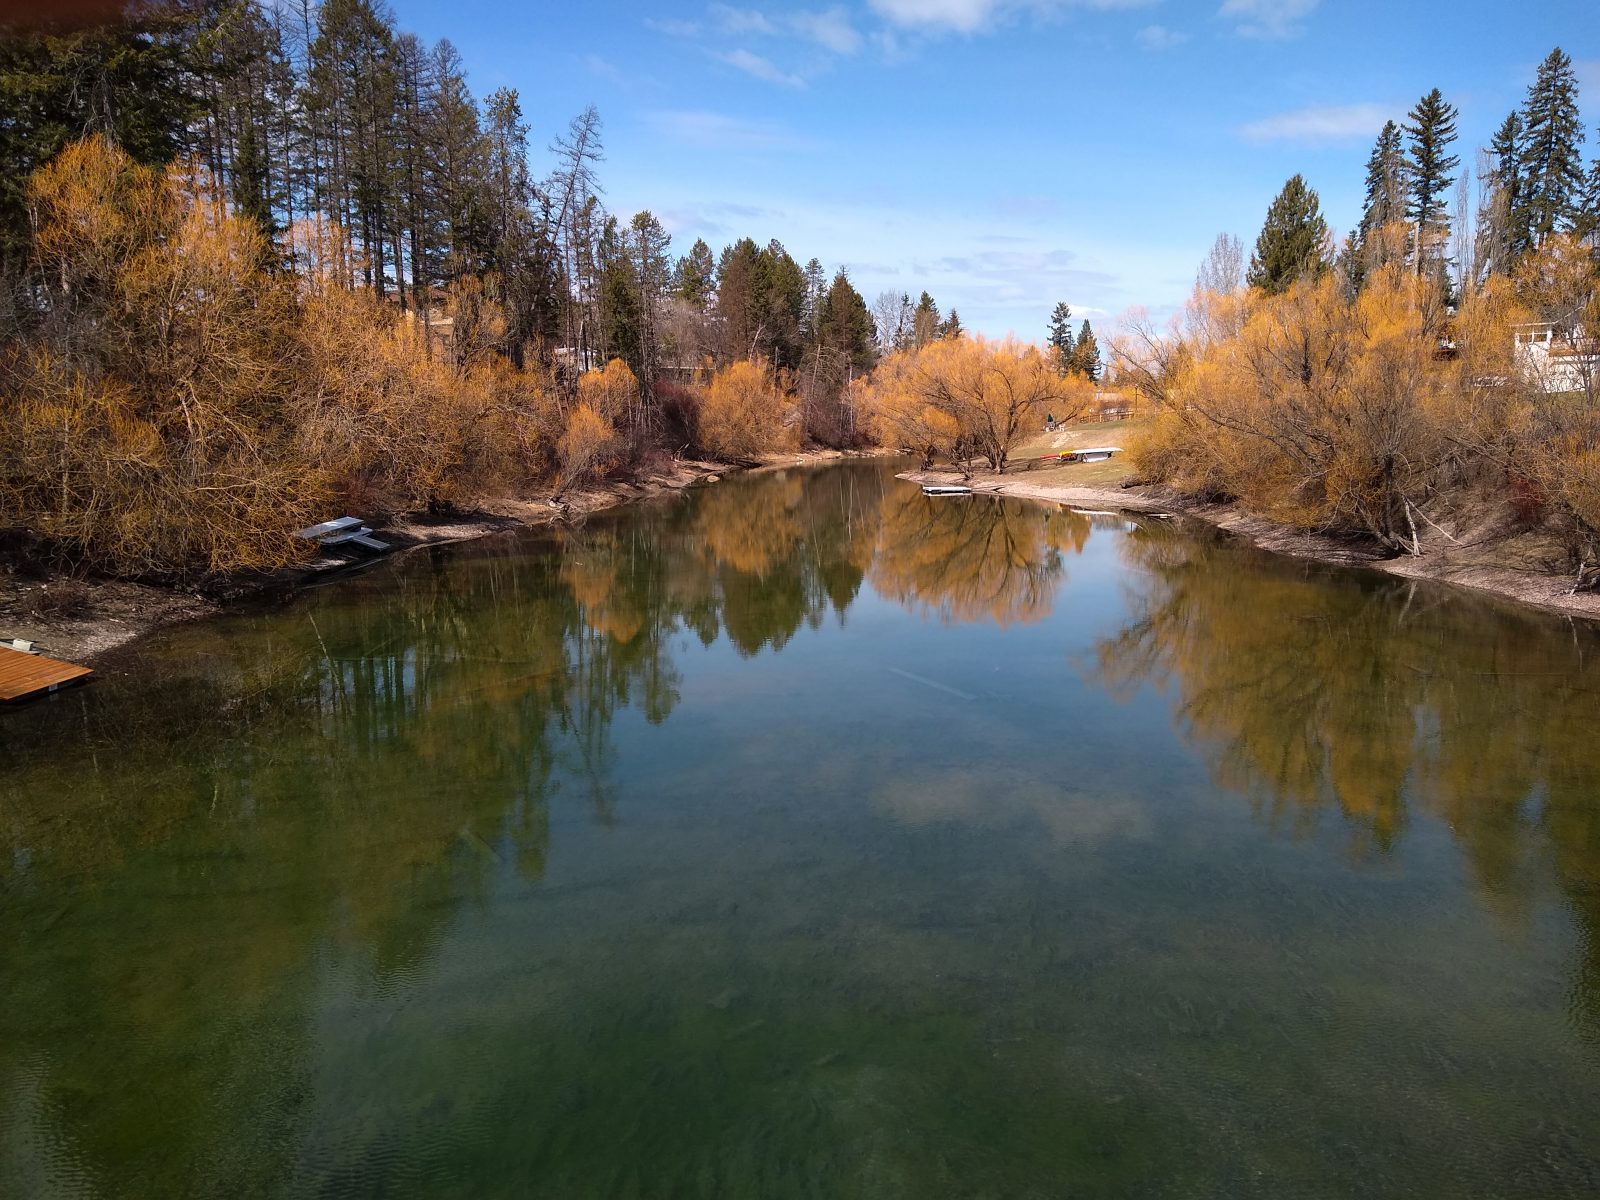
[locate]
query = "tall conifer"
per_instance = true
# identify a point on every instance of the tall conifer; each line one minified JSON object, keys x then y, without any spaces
{"x":1293,"y":241}
{"x":1551,"y":162}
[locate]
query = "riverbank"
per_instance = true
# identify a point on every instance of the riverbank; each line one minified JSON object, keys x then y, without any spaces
{"x":1480,"y":553}
{"x":82,"y":620}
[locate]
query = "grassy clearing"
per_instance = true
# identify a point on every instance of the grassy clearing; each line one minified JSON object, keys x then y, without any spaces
{"x":1092,"y":433}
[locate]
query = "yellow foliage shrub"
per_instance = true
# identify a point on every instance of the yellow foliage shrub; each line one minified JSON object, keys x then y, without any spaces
{"x":148,"y":432}
{"x":589,"y":439}
{"x":962,"y":398}
{"x":181,"y":409}
{"x":745,"y":413}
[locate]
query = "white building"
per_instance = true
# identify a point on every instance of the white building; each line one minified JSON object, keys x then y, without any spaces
{"x":1559,"y":358}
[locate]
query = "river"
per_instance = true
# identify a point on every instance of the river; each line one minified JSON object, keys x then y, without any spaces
{"x":804,"y":836}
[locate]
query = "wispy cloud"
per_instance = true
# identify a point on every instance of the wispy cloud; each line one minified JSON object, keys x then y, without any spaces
{"x":720,"y":131}
{"x":830,"y":29}
{"x":1159,"y":37}
{"x":715,"y":218}
{"x":981,"y":16}
{"x":673,"y":27}
{"x":1269,"y":20}
{"x":1319,"y":125}
{"x":604,"y":68}
{"x":962,"y":16}
{"x":761,"y":68}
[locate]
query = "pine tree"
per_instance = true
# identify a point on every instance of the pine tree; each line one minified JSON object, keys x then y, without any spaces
{"x":1587,"y":226}
{"x":1502,"y":233}
{"x":844,"y":325}
{"x":738,"y":311}
{"x":1551,"y":165}
{"x":1060,"y":338}
{"x":924,"y":321}
{"x":1086,"y":355}
{"x":251,"y":189}
{"x":1430,"y":174}
{"x":132,"y":79}
{"x":950,"y":327}
{"x":1388,"y":185}
{"x":782,"y":297}
{"x":695,"y":278}
{"x":648,"y":243}
{"x":1293,"y":241}
{"x":816,"y":289}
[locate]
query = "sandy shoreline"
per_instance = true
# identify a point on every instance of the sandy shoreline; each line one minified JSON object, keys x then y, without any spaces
{"x":81,"y":621}
{"x":1440,"y":562}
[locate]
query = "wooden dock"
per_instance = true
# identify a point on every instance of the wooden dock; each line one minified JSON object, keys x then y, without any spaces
{"x":23,"y":676}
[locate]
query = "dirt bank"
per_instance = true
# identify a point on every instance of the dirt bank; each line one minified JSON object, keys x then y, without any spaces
{"x":1469,"y":548}
{"x":80,"y":620}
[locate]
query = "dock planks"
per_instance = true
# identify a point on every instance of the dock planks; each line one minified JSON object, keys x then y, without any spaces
{"x":23,"y":676}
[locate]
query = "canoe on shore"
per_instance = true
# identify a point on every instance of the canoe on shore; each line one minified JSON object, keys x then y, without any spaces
{"x":946,"y":489}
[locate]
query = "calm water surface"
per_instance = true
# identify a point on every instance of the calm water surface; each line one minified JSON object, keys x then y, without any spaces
{"x":805,"y":837}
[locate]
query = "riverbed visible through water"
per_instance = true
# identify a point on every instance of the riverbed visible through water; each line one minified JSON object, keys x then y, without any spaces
{"x":801,"y":835}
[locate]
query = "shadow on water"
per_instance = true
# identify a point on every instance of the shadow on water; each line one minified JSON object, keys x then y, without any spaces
{"x":641,"y":859}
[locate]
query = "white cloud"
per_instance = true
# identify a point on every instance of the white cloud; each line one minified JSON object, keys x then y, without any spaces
{"x":741,"y":20}
{"x":1267,"y":19}
{"x":719,"y":131}
{"x":1159,"y":37}
{"x":1318,"y":125}
{"x":761,"y":68}
{"x":981,"y":16}
{"x":604,"y":68}
{"x":830,"y":29}
{"x":673,"y":28}
{"x":963,"y":16}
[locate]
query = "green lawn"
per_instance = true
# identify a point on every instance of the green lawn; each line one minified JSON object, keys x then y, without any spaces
{"x":1092,"y":433}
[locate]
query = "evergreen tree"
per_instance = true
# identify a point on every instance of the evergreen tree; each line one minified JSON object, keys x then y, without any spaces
{"x":816,"y":289}
{"x":1060,"y":338}
{"x":251,"y":188}
{"x":782,"y":306}
{"x":906,"y":324}
{"x":695,"y":278}
{"x":132,"y":79}
{"x":924,"y":321}
{"x":1552,"y":168}
{"x":620,"y":333}
{"x":1587,"y":225}
{"x":1086,"y":355}
{"x":844,"y":325}
{"x":1430,"y":174}
{"x":1388,"y":186}
{"x":951,"y":326}
{"x":647,"y":245}
{"x":1502,"y":231}
{"x":738,"y":312}
{"x":1293,"y":241}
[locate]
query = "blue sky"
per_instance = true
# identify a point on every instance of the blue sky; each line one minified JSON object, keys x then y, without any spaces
{"x":1003,"y":155}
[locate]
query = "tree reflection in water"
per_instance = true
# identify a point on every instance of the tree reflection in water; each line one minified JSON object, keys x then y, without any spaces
{"x":190,"y":846}
{"x":1311,"y":693}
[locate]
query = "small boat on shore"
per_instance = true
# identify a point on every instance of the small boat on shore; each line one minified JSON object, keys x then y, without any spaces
{"x":946,"y":489}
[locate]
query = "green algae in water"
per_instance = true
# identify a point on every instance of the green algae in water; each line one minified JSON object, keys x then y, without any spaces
{"x":804,"y":836}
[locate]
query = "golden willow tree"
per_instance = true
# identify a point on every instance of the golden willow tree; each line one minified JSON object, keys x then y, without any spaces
{"x":744,"y":412}
{"x":180,"y":407}
{"x":148,"y":426}
{"x":1347,"y":415}
{"x":967,"y":398}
